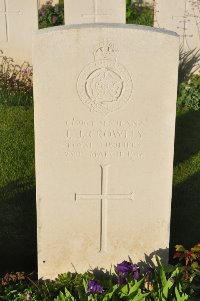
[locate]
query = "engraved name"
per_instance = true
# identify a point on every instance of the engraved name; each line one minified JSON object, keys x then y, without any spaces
{"x":103,"y":139}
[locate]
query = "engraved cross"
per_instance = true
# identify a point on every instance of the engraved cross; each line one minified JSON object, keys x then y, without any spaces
{"x":6,"y":12}
{"x":184,"y":21}
{"x":96,"y":13}
{"x":103,"y":197}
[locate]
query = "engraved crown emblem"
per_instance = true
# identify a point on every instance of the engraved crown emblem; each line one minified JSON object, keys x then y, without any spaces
{"x":105,"y":51}
{"x":104,"y":85}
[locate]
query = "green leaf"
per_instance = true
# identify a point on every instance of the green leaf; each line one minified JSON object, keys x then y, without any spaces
{"x":196,"y":249}
{"x":167,"y":287}
{"x":161,"y":272}
{"x":67,"y":297}
{"x":134,"y":289}
{"x":85,"y":284}
{"x":180,"y":248}
{"x":139,"y":297}
{"x":61,"y":297}
{"x":195,"y":265}
{"x":109,"y":295}
{"x":123,"y":290}
{"x":169,"y":268}
{"x":179,"y":297}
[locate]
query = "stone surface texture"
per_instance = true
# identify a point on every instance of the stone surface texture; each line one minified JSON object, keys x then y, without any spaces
{"x":95,"y":11}
{"x":181,"y":16}
{"x":105,"y":102}
{"x":18,"y":21}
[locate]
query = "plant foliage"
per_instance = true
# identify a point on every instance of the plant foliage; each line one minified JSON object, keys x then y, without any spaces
{"x":152,"y":283}
{"x":137,"y":13}
{"x":16,"y":87}
{"x":189,"y":93}
{"x":51,"y":15}
{"x":189,"y":80}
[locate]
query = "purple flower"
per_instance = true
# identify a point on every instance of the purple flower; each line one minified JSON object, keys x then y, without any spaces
{"x":121,"y":280}
{"x":136,"y":271}
{"x":125,"y":269}
{"x":94,"y":288}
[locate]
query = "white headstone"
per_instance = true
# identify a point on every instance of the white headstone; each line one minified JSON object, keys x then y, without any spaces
{"x":18,"y":21}
{"x":104,"y":138}
{"x":95,"y":11}
{"x":183,"y":17}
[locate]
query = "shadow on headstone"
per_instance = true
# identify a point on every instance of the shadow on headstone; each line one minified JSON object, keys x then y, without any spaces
{"x":18,"y":247}
{"x":187,"y":138}
{"x":163,"y":254}
{"x":149,"y":261}
{"x":189,"y":64}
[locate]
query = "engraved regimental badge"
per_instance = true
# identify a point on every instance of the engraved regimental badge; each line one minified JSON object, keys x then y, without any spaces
{"x":104,"y":85}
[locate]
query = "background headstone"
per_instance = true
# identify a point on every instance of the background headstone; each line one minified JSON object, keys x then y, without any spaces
{"x":18,"y":21}
{"x":95,"y":11}
{"x":104,"y":138}
{"x":181,"y":16}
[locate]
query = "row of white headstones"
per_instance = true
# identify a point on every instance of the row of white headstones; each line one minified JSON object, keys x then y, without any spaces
{"x":19,"y":19}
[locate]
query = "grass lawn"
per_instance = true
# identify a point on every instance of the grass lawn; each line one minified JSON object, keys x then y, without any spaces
{"x":185,"y":222}
{"x":17,"y":187}
{"x":17,"y":190}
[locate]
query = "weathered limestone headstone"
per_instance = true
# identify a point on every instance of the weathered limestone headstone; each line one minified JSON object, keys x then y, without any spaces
{"x":18,"y":21}
{"x":181,"y":16}
{"x":95,"y":11}
{"x":104,"y":136}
